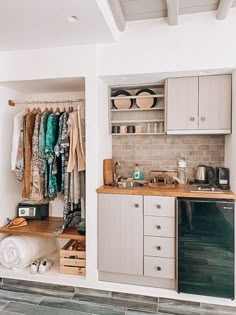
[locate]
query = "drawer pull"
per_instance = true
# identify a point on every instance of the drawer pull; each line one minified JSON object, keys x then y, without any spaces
{"x":158,"y":247}
{"x":158,"y":206}
{"x":158,"y":227}
{"x":158,"y":268}
{"x":136,"y":205}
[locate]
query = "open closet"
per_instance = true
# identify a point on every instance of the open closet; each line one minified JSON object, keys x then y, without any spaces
{"x":53,"y":173}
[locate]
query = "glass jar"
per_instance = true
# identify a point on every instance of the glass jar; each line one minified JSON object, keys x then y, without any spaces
{"x":182,"y":170}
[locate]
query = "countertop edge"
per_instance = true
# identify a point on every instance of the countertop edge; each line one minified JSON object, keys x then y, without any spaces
{"x":166,"y":192}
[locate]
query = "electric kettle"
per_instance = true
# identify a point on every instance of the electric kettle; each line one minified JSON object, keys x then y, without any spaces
{"x":200,"y":176}
{"x":204,"y":175}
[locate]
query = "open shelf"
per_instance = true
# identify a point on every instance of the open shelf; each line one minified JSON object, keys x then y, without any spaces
{"x":138,"y":134}
{"x":44,"y":228}
{"x":136,"y":121}
{"x":140,"y":118}
{"x":135,"y":97}
{"x":51,"y":276}
{"x":137,"y":109}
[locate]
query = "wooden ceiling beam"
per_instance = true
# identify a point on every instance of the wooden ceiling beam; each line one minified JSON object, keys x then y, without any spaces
{"x":172,"y":11}
{"x":223,"y":9}
{"x":118,"y":14}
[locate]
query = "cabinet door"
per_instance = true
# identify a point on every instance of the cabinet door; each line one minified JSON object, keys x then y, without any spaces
{"x":215,"y":102}
{"x":182,"y":103}
{"x":120,"y":233}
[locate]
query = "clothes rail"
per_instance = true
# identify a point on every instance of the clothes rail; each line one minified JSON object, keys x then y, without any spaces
{"x":13,"y":103}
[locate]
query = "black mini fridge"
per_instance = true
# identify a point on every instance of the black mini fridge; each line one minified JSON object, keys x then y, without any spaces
{"x":205,"y":247}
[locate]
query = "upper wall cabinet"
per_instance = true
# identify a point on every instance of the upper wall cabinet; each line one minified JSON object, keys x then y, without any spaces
{"x":182,"y":104}
{"x":199,"y":105}
{"x":215,"y":103}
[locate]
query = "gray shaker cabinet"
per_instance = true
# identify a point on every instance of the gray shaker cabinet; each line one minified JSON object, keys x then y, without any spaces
{"x":182,"y":104}
{"x":215,"y":102}
{"x":120,"y":234}
{"x":199,"y":105}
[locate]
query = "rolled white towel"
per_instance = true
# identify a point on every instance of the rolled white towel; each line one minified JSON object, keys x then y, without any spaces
{"x":17,"y":251}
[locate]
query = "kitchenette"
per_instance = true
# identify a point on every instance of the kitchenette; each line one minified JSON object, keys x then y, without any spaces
{"x":166,"y":212}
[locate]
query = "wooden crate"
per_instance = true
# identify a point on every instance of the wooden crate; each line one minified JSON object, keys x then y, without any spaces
{"x":73,"y":258}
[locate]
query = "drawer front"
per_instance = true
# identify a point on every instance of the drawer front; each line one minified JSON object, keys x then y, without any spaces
{"x":159,"y":226}
{"x":159,"y":206}
{"x":159,"y":246}
{"x":159,"y":267}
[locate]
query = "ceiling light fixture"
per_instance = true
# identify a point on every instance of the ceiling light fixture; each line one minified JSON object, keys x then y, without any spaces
{"x":73,"y":19}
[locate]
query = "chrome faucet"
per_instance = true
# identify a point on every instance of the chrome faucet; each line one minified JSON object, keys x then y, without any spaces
{"x":117,"y":178}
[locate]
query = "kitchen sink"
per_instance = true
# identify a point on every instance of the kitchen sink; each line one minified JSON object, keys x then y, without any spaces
{"x":126,"y":184}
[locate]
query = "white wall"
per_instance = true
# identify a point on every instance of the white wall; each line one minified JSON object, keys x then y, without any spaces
{"x":200,"y":41}
{"x":9,"y":196}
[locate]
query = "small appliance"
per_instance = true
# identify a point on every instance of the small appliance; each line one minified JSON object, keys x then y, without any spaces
{"x":204,"y":175}
{"x":32,"y":210}
{"x":222,"y":178}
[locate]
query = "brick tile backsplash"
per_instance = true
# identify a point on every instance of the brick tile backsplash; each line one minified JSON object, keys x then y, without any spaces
{"x":161,"y":152}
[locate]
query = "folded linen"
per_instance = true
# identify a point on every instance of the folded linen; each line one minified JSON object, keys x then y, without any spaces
{"x":18,"y":251}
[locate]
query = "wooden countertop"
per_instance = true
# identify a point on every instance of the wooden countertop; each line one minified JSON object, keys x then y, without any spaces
{"x":179,"y":191}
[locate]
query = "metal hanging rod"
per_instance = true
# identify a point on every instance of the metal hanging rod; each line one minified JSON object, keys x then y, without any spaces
{"x":13,"y":103}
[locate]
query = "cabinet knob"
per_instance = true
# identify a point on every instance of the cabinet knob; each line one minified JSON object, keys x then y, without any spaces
{"x":158,"y":206}
{"x":159,"y":268}
{"x":203,"y":118}
{"x":158,"y":227}
{"x":192,"y":118}
{"x":136,"y":205}
{"x":158,"y":247}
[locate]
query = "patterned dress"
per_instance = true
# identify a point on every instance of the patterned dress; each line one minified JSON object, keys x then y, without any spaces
{"x":51,"y":140}
{"x":36,"y":183}
{"x":43,"y":167}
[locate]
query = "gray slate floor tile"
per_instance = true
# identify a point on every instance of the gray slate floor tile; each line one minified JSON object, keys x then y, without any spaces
{"x":37,"y":287}
{"x":177,"y":307}
{"x":209,"y":309}
{"x":9,"y":313}
{"x":30,"y":309}
{"x":3,"y":303}
{"x":134,"y":312}
{"x":117,"y":302}
{"x":135,"y":297}
{"x":20,"y":297}
{"x":92,"y":292}
{"x":82,"y":306}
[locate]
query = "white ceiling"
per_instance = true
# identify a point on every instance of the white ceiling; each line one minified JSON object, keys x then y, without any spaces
{"x":47,"y":85}
{"x":150,"y":9}
{"x":29,"y":24}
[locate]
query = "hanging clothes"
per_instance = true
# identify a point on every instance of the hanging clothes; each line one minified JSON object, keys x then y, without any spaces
{"x":36,"y":183}
{"x":48,"y":155}
{"x":43,"y":167}
{"x":81,"y":130}
{"x":18,"y":124}
{"x":20,"y":158}
{"x":62,"y":147}
{"x":81,"y":124}
{"x":28,"y":135}
{"x":51,"y":139}
{"x":76,"y":156}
